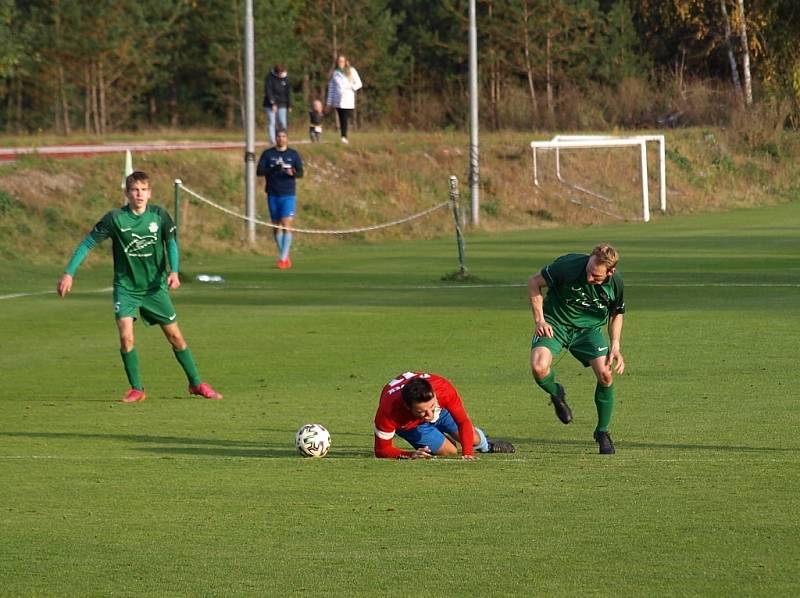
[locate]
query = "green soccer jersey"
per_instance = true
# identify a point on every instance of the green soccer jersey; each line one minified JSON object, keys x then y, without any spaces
{"x":138,"y":242}
{"x":572,"y":301}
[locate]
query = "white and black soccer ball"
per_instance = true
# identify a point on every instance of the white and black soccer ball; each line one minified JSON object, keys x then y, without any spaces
{"x":312,"y":440}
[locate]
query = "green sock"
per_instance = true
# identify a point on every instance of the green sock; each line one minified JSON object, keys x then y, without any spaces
{"x":604,"y":400}
{"x":187,"y":363}
{"x":130,"y":361}
{"x":548,"y":383}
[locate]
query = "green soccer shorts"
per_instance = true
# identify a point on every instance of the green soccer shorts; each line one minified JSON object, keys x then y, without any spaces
{"x":154,"y":306}
{"x":585,"y":344}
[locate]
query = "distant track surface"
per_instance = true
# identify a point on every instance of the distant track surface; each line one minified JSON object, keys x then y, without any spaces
{"x":8,"y":154}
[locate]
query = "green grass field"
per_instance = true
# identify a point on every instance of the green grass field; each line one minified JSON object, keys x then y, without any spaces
{"x":179,"y":496}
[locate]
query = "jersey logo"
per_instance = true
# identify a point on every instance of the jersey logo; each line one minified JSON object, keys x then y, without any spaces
{"x":138,"y":247}
{"x":124,"y":230}
{"x":153,"y":227}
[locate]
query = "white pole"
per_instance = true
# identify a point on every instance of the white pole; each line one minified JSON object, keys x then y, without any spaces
{"x":645,"y":195}
{"x":474,"y":178}
{"x":250,"y":124}
{"x":662,"y":174}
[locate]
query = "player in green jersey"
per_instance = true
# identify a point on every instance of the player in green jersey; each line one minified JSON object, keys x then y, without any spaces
{"x":143,"y":239}
{"x":584,"y":293}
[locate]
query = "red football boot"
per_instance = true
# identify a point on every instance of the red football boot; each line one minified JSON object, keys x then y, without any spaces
{"x":204,"y":390}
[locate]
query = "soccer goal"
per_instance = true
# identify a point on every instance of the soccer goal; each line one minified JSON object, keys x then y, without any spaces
{"x":563,"y":145}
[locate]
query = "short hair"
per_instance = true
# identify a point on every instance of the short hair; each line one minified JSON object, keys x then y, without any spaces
{"x":137,"y":176}
{"x":606,"y":255}
{"x":279,"y":130}
{"x":279,"y":68}
{"x":417,"y":390}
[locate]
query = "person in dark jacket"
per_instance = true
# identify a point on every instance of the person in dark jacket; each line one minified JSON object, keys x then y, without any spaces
{"x":281,"y":166}
{"x":277,"y":100}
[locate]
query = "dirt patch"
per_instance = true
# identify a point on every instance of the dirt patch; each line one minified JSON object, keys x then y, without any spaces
{"x":37,"y":188}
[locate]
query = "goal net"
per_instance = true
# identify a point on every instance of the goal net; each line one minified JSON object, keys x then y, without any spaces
{"x":615,"y":177}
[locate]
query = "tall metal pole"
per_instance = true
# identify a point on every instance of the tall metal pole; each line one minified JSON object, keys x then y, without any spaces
{"x":474,"y":178}
{"x":250,"y":122}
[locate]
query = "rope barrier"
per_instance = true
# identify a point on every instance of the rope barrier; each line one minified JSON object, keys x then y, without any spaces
{"x":316,"y":231}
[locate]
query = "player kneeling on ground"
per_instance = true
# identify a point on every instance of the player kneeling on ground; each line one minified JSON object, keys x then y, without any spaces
{"x":142,"y":238}
{"x":584,"y":292}
{"x":426,"y":411}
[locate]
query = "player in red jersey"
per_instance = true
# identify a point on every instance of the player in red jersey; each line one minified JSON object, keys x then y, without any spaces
{"x":426,"y":411}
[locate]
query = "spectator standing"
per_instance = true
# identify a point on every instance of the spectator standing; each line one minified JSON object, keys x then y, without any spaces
{"x":277,"y":100}
{"x":343,"y":84}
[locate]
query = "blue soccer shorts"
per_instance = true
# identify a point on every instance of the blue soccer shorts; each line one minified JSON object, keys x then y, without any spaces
{"x":431,"y":434}
{"x":281,"y":206}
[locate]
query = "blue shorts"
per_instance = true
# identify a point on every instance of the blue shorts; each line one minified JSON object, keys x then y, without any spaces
{"x":431,"y":434}
{"x":281,"y":206}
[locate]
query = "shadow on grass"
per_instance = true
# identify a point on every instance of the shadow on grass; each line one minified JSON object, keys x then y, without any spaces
{"x":735,"y":448}
{"x":243,"y":448}
{"x":177,"y":445}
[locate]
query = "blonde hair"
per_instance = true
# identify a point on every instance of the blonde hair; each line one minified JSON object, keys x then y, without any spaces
{"x":606,"y":255}
{"x":347,"y":70}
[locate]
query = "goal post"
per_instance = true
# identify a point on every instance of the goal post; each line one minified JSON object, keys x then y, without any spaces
{"x":561,"y":142}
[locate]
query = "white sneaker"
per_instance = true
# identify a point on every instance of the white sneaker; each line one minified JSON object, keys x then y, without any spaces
{"x":344,"y":140}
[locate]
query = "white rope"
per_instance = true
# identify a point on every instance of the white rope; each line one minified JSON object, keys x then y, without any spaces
{"x":316,"y":231}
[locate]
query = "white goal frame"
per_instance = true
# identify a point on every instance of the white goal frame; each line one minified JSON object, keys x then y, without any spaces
{"x":560,"y":142}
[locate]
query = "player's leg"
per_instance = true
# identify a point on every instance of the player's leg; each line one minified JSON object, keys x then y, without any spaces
{"x":604,"y":394}
{"x":543,"y":350}
{"x":125,"y":305}
{"x":130,"y":360}
{"x":286,"y":247}
{"x":273,"y":205}
{"x":186,"y":360}
{"x":591,"y":348}
{"x":157,"y":308}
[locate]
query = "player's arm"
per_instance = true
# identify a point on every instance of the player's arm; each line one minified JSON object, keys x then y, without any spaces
{"x":384,"y":449}
{"x":614,"y":357}
{"x":263,"y":164}
{"x":81,"y":251}
{"x":170,"y":232}
{"x":466,"y":431}
{"x":298,"y":166}
{"x":535,"y":285}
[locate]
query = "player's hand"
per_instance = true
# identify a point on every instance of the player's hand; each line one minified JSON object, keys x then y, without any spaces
{"x":64,"y":285}
{"x":469,"y":458}
{"x":614,"y":359}
{"x":544,"y":329}
{"x":423,"y":452}
{"x":173,"y":280}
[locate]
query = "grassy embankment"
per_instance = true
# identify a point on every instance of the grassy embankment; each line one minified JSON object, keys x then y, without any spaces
{"x":47,"y":204}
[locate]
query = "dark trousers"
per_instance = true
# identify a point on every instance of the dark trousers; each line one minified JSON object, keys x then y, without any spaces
{"x":344,"y":116}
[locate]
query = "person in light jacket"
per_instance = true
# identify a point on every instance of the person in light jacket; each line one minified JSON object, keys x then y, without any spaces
{"x":342,"y":87}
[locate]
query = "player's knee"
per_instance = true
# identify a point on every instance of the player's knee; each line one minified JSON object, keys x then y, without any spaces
{"x":448,"y":449}
{"x":540,"y":369}
{"x":126,"y":342}
{"x":605,"y":377}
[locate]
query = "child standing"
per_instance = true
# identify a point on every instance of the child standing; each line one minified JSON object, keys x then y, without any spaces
{"x":315,"y":122}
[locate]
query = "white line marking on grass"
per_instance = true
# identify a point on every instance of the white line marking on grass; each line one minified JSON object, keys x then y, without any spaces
{"x":35,"y":293}
{"x":234,"y":287}
{"x":534,"y":457}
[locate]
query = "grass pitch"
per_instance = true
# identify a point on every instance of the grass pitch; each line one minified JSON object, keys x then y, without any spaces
{"x":180,"y":496}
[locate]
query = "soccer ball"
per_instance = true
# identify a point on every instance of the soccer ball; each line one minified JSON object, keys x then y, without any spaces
{"x":312,"y":440}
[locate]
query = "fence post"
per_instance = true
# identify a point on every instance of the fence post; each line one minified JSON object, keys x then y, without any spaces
{"x":454,"y":201}
{"x":178,"y":184}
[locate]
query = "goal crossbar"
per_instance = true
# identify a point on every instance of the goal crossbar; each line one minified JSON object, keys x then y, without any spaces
{"x":560,"y":142}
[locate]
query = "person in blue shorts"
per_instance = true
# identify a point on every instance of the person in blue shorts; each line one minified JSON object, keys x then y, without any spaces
{"x":281,"y":166}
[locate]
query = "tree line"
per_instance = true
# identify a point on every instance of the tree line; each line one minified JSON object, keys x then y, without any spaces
{"x":73,"y":66}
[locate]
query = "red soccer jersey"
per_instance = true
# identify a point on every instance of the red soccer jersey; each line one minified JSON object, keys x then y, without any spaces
{"x":393,"y":414}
